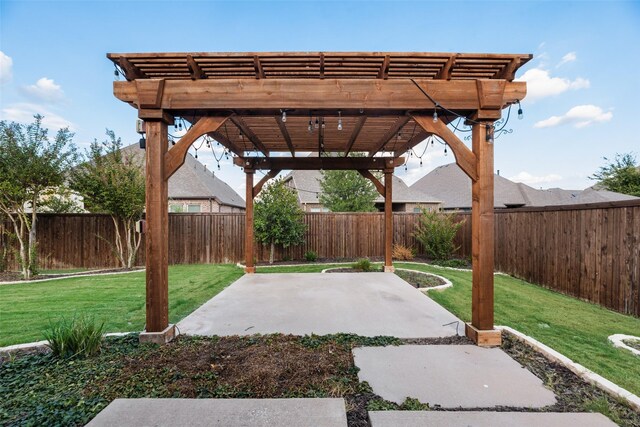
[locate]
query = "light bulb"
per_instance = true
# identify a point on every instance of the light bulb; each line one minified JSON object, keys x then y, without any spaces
{"x":339,"y":124}
{"x":520,"y":113}
{"x":317,"y":124}
{"x":445,"y":150}
{"x":284,"y":117}
{"x":322,"y":123}
{"x":435,"y":116}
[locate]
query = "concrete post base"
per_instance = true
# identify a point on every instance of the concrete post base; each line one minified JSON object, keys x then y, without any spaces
{"x":483,"y":338}
{"x":162,"y":337}
{"x":249,"y":270}
{"x":389,"y":269}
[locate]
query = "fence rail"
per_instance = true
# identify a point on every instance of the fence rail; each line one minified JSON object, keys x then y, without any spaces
{"x":590,"y":252}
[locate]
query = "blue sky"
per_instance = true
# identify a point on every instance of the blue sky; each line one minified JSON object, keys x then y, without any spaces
{"x":583,"y":80}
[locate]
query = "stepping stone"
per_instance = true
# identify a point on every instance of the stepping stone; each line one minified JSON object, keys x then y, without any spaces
{"x":452,"y":376}
{"x":486,"y":419}
{"x":223,"y":412}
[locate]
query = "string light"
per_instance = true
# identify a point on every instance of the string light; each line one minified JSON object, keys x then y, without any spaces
{"x":445,"y":150}
{"x":284,"y":116}
{"x":520,"y":113}
{"x":435,"y":114}
{"x":317,"y":124}
{"x":339,"y":120}
{"x":323,"y":123}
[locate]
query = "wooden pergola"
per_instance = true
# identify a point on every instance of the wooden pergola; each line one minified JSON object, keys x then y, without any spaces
{"x":331,"y":104}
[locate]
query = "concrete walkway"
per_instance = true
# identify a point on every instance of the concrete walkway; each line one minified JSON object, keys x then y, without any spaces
{"x":486,"y":419}
{"x":222,"y":413}
{"x":451,"y":376}
{"x":367,"y":304}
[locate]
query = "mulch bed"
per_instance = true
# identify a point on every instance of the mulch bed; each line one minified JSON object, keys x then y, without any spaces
{"x":14,"y":276}
{"x":420,"y":280}
{"x":38,"y":389}
{"x":633,"y":343}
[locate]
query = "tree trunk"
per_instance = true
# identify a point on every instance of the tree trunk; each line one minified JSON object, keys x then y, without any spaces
{"x":273,"y":248}
{"x":31,"y":249}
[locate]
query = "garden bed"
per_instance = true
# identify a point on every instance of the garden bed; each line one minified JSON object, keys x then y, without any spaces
{"x":15,"y":276}
{"x":38,"y":389}
{"x":420,"y":280}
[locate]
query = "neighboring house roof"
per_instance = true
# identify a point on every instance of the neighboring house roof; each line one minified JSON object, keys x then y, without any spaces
{"x":451,"y":185}
{"x":194,"y":181}
{"x":307,"y":184}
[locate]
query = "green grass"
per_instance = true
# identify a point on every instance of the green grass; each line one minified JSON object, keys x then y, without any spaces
{"x":575,"y":328}
{"x":26,"y":310}
{"x":311,"y":268}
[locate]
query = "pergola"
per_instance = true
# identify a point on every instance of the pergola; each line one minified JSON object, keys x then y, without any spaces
{"x":327,"y":103}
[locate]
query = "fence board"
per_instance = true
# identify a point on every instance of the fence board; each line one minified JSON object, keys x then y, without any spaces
{"x":591,"y":252}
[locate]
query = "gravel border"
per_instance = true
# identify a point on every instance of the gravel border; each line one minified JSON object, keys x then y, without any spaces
{"x":73,"y":275}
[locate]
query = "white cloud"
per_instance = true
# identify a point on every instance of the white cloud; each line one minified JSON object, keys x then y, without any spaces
{"x":569,"y":57}
{"x":540,"y":84}
{"x":45,"y":90}
{"x":533,"y":180}
{"x":580,"y":116}
{"x":6,"y":68}
{"x":24,"y":112}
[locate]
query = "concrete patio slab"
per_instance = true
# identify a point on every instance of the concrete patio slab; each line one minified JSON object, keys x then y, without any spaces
{"x":222,"y":413}
{"x":451,"y":376}
{"x":486,"y":419}
{"x":367,"y":304}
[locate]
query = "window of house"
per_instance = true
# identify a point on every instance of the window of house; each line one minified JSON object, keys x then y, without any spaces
{"x":175,"y":208}
{"x":193,"y":208}
{"x":417,"y":210}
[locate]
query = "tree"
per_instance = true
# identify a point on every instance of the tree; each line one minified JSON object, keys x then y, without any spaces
{"x":621,"y":175}
{"x":347,"y":191}
{"x":278,"y":219}
{"x":31,"y":165}
{"x":113,"y":182}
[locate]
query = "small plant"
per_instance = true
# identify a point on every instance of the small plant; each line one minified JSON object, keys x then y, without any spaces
{"x":436,"y":232}
{"x":363,"y":264}
{"x":403,"y":253}
{"x":311,"y":256}
{"x":79,"y":337}
{"x":453,"y":263}
{"x":286,"y":258}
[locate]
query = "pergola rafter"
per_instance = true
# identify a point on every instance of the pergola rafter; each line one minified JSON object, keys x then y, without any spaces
{"x":372,"y":103}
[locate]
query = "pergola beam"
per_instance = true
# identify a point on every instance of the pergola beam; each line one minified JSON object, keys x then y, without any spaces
{"x":318,"y":163}
{"x":465,"y":158}
{"x":331,"y":94}
{"x":174,"y":158}
{"x":285,"y":135}
{"x":399,"y":124}
{"x":354,"y":135}
{"x":371,"y":177}
{"x":246,"y":131}
{"x":258,"y":187}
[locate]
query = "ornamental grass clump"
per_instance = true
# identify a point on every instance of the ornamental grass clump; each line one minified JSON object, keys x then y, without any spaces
{"x":81,"y":336}
{"x":362,"y":264}
{"x":436,"y":231}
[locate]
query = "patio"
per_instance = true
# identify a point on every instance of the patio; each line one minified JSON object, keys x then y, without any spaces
{"x":367,"y":304}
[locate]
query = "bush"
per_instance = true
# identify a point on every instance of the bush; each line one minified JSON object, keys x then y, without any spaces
{"x":402,"y":253}
{"x":362,"y":264}
{"x":311,"y":256}
{"x":79,"y":337}
{"x":436,"y":232}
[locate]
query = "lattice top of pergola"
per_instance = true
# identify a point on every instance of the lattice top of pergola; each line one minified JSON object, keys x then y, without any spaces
{"x":338,"y":89}
{"x":354,"y":65}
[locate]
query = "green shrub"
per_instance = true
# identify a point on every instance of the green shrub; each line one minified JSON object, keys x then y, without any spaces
{"x":362,"y":264}
{"x":79,"y":337}
{"x":311,"y":256}
{"x":436,"y":232}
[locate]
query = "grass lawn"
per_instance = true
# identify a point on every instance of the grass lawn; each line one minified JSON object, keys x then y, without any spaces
{"x":118,"y":300}
{"x":575,"y":328}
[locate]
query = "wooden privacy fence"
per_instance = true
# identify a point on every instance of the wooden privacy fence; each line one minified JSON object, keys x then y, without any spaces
{"x":591,"y":252}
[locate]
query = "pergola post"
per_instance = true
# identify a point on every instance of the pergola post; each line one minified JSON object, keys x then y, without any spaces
{"x":388,"y":221}
{"x":158,"y":329}
{"x":482,"y":243}
{"x":248,"y":225}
